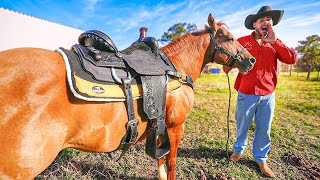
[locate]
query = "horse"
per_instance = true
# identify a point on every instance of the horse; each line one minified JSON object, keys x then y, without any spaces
{"x":40,"y":116}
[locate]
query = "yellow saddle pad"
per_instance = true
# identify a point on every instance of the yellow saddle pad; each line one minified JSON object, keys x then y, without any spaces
{"x":93,"y":91}
{"x":113,"y":92}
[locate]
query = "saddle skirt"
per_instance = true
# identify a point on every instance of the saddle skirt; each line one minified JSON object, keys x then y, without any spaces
{"x":97,"y":79}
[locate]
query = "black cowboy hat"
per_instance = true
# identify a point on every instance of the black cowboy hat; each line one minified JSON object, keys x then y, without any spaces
{"x":264,"y":11}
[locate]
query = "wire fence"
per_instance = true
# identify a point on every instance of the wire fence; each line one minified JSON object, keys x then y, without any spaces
{"x":286,"y":69}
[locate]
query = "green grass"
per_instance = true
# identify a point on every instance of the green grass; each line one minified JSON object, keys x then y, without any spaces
{"x":202,"y":152}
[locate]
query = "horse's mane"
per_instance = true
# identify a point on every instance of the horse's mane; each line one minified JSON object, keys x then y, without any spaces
{"x":186,"y":39}
{"x":185,"y":49}
{"x":177,"y":44}
{"x":221,"y":23}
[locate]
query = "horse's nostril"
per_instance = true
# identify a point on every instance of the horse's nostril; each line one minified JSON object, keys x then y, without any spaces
{"x":252,"y":60}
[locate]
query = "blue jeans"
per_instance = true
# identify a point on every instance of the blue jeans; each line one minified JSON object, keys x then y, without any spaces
{"x":262,"y":109}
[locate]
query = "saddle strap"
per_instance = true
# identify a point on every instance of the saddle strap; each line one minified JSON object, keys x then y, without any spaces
{"x":132,"y":133}
{"x":182,"y":77}
{"x":154,"y":98}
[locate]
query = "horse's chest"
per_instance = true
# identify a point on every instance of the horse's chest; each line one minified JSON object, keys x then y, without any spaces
{"x":179,"y":105}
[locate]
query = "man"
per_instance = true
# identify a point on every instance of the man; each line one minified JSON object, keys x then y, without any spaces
{"x":256,"y":97}
{"x":143,"y":34}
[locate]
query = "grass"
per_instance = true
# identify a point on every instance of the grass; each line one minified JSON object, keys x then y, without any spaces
{"x":202,"y":152}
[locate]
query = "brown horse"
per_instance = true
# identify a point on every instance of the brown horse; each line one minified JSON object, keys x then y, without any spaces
{"x":39,"y":115}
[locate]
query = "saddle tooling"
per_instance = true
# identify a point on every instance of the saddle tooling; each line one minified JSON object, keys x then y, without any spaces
{"x":97,"y":71}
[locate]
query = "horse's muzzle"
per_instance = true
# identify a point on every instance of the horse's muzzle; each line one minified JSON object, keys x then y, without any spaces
{"x":247,"y":64}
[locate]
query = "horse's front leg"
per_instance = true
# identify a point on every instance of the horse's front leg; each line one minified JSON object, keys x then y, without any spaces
{"x":162,"y":174}
{"x":175,"y":135}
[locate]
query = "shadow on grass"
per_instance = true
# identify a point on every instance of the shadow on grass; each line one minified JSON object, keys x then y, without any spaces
{"x":87,"y":169}
{"x":217,"y":154}
{"x":204,"y":152}
{"x":250,"y":164}
{"x":102,"y":172}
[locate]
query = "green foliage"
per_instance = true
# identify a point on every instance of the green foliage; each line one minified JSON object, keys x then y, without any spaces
{"x":177,"y":30}
{"x":309,"y":50}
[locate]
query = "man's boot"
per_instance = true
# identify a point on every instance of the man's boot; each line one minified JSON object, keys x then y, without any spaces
{"x":264,"y":168}
{"x":235,"y":157}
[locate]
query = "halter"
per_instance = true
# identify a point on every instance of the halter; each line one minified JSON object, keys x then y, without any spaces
{"x":232,"y":56}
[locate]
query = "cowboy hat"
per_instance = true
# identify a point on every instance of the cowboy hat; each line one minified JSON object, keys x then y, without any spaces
{"x":264,"y":11}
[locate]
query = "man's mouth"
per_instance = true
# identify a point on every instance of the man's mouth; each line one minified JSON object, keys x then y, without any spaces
{"x":264,"y":29}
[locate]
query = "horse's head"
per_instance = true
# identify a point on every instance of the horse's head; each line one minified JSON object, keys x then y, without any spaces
{"x":225,"y":49}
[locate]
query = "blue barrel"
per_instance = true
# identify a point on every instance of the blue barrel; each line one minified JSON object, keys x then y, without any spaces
{"x":215,"y":70}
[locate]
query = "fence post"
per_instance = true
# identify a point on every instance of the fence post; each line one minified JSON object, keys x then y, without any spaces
{"x":309,"y":70}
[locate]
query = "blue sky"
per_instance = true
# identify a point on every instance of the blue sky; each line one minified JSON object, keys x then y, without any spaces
{"x":121,"y":20}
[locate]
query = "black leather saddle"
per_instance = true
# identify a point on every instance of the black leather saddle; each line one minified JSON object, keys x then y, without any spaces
{"x":95,"y":63}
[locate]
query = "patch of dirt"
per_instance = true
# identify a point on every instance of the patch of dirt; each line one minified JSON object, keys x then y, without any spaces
{"x":221,"y":176}
{"x":307,"y":168}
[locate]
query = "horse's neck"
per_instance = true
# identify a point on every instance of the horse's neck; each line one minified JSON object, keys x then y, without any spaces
{"x":188,"y":54}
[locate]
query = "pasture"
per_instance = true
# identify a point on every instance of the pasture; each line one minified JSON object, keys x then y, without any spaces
{"x":295,"y":151}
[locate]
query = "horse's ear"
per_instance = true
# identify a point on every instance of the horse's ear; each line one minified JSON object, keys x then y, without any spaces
{"x":212,"y":22}
{"x":206,"y":26}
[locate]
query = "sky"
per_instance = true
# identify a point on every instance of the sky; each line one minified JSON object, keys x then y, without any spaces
{"x":121,"y":20}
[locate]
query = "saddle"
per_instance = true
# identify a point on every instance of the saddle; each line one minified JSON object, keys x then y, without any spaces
{"x":97,"y":71}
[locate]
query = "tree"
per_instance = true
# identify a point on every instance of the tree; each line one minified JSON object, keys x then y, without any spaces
{"x":176,"y":31}
{"x":309,"y":51}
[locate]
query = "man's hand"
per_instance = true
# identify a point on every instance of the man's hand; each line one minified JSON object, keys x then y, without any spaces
{"x":271,"y":37}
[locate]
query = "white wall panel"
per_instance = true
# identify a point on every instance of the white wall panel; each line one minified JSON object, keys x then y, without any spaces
{"x":20,"y":30}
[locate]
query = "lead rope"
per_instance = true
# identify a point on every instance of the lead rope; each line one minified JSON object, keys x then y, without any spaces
{"x":228,"y":119}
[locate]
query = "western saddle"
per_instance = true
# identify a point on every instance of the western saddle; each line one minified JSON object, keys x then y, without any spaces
{"x":98,"y":71}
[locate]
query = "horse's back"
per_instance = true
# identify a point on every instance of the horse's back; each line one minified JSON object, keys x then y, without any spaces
{"x":26,"y":65}
{"x":29,"y":59}
{"x":29,"y":71}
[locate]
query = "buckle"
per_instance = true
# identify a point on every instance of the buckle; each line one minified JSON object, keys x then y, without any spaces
{"x":173,"y":73}
{"x":132,"y":122}
{"x":184,"y":78}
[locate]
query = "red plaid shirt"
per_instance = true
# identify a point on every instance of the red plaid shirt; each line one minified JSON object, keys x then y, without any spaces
{"x":262,"y":79}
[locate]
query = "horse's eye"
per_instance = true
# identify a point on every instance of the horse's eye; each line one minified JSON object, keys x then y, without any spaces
{"x":230,"y":39}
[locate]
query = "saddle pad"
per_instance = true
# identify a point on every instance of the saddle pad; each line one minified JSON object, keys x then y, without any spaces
{"x":97,"y":91}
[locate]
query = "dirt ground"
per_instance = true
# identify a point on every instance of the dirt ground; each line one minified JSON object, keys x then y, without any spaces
{"x":307,"y":169}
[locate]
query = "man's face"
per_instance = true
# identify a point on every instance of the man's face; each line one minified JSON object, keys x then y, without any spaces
{"x":261,"y":25}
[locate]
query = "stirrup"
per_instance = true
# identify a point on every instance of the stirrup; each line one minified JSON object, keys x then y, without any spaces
{"x":151,"y":143}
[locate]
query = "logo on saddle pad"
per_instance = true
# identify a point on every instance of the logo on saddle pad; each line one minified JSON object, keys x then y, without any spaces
{"x":98,"y":89}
